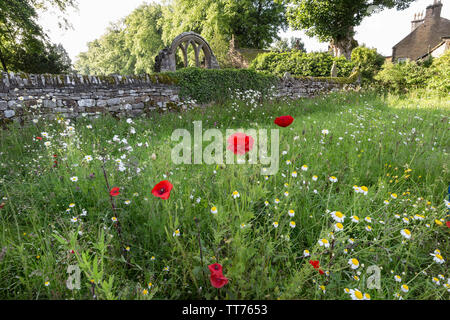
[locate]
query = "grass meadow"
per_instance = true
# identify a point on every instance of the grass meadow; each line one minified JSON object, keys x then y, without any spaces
{"x":357,"y":209}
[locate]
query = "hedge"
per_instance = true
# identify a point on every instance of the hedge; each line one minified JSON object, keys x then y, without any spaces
{"x":298,"y":63}
{"x":207,"y":85}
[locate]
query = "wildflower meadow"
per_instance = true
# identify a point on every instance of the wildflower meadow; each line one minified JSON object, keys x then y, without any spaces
{"x":357,"y":208}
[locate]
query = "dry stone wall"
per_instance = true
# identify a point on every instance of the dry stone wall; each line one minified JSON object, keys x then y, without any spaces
{"x":25,"y":96}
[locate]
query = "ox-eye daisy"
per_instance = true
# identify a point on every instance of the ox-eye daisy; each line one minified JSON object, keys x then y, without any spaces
{"x":338,"y":216}
{"x":406,"y":233}
{"x":292,"y":224}
{"x":314,"y":178}
{"x":355,"y":219}
{"x":306,"y":253}
{"x":304,"y":167}
{"x":275,"y":224}
{"x":354,"y":263}
{"x":364,"y":190}
{"x":404,"y":288}
{"x":437,"y":257}
{"x":291,"y":213}
{"x":236,"y":194}
{"x":333,"y":179}
{"x":74,"y":179}
{"x":213,"y":210}
{"x":356,"y":294}
{"x":338,"y":227}
{"x":398,"y":278}
{"x":324,"y":242}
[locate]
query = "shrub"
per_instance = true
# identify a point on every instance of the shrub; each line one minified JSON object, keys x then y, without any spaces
{"x":403,"y":77}
{"x":298,"y":63}
{"x":439,"y":81}
{"x":432,"y":76}
{"x":207,"y":85}
{"x":367,"y":61}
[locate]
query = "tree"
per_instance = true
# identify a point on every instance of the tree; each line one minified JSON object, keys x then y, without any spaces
{"x":334,"y":21}
{"x":368,"y":61}
{"x":285,"y":44}
{"x":254,"y":23}
{"x":23,"y":44}
{"x":128,"y":47}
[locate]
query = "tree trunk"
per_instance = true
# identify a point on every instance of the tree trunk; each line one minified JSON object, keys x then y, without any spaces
{"x":344,"y":46}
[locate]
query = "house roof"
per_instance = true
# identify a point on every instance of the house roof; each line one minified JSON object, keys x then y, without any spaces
{"x":425,"y":37}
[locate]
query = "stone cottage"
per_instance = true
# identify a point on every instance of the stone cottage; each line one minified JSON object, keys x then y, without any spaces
{"x":428,"y":34}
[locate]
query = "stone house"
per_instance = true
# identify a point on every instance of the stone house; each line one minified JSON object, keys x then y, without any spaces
{"x":429,"y":34}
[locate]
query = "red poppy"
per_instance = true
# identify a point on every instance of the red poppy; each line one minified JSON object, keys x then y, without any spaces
{"x":315,"y":263}
{"x":284,"y":121}
{"x":218,"y":280}
{"x":448,"y":224}
{"x":39,"y":138}
{"x":321,"y":271}
{"x":114,"y":192}
{"x":240,"y":143}
{"x":162,"y":190}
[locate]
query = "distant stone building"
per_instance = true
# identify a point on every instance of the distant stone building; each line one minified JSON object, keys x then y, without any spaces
{"x":430,"y":35}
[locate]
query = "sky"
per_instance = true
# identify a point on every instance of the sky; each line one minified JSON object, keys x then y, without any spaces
{"x":381,"y":31}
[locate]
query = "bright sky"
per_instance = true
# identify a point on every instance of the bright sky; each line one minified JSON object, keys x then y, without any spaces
{"x":382,"y":30}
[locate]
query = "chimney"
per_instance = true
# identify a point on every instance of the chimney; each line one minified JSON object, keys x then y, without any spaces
{"x":418,"y":19}
{"x":434,"y":10}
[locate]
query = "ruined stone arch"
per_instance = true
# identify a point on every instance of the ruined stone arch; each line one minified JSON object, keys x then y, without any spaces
{"x":166,"y":61}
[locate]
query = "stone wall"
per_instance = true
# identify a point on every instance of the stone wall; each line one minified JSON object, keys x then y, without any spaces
{"x":295,"y":88}
{"x":24,"y":96}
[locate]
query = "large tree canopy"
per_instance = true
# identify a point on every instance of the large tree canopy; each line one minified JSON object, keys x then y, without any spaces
{"x":335,"y":20}
{"x":128,"y":47}
{"x":23,"y":44}
{"x":254,"y":23}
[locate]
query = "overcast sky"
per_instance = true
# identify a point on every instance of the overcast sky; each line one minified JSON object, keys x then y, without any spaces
{"x":382,"y":30}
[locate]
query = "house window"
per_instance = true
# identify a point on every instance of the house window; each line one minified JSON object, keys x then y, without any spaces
{"x":402,"y":59}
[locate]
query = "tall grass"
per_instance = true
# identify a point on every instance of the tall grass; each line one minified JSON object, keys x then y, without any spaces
{"x":391,"y":145}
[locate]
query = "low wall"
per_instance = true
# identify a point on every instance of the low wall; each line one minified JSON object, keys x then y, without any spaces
{"x":308,"y":87}
{"x":25,"y":96}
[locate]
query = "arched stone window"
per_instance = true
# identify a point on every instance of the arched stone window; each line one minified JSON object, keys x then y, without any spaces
{"x":166,"y":59}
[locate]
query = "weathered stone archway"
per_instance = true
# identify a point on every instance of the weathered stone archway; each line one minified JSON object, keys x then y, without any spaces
{"x":165,"y":60}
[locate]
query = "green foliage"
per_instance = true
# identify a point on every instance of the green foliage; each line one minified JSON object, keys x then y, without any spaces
{"x":128,"y":47}
{"x":329,"y":20}
{"x":408,"y":76}
{"x":403,"y":76}
{"x":254,"y":23}
{"x":207,"y":85}
{"x":23,"y":44}
{"x":334,"y":20}
{"x":367,"y":61}
{"x":286,"y":44}
{"x":363,"y":148}
{"x":297,"y":63}
{"x":440,"y":75}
